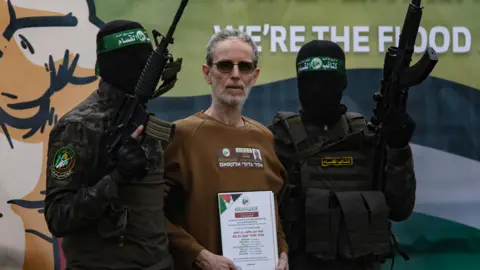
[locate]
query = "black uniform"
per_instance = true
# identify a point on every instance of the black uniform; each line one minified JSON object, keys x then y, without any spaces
{"x":332,"y":217}
{"x":108,"y":211}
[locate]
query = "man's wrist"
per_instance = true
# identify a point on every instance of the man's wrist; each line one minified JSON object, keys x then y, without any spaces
{"x":108,"y":187}
{"x":117,"y":177}
{"x":202,"y":255}
{"x":398,"y":156}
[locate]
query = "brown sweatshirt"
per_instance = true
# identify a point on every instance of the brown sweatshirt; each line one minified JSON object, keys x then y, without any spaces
{"x":199,"y":163}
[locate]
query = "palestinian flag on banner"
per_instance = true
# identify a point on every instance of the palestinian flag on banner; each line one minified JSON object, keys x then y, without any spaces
{"x":227,"y":199}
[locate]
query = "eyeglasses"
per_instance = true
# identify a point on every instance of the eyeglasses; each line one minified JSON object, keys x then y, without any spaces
{"x":226,"y":66}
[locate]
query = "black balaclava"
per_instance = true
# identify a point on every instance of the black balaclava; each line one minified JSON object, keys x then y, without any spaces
{"x":321,"y":79}
{"x":123,"y":48}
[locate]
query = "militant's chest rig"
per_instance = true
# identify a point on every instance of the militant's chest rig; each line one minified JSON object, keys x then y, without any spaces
{"x":331,"y":211}
{"x":137,"y":212}
{"x":134,"y":223}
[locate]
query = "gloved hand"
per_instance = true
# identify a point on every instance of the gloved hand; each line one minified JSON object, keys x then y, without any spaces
{"x":132,"y":159}
{"x":399,"y":128}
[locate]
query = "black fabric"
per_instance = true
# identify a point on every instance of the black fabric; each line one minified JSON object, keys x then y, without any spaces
{"x":330,"y":214}
{"x":122,"y":68}
{"x":320,"y":92}
{"x":104,"y":225}
{"x":379,"y":224}
{"x":132,"y":160}
{"x":323,"y":112}
{"x":399,"y":128}
{"x":295,"y":129}
{"x":356,"y":218}
{"x":321,"y":224}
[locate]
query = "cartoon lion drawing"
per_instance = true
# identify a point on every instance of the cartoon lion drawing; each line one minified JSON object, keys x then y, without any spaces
{"x":47,"y":62}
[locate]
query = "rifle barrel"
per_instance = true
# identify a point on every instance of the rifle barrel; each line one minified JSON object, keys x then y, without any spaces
{"x":153,"y":70}
{"x":176,"y":19}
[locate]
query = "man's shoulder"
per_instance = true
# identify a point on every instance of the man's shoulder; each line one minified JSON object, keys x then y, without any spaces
{"x":354,"y":116}
{"x":356,"y":120}
{"x":188,"y":125}
{"x":279,"y":126}
{"x":69,"y":131}
{"x":281,"y":117}
{"x":258,"y":126}
{"x":86,"y":111}
{"x":75,"y":124}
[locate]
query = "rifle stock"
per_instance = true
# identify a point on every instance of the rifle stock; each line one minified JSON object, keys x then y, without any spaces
{"x":398,"y":77}
{"x":132,"y":112}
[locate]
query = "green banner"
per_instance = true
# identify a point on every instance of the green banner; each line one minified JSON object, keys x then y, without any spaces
{"x":364,"y":29}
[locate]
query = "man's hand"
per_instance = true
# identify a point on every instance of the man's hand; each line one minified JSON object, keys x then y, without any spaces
{"x":209,"y":261}
{"x":132,"y":160}
{"x":282,"y":262}
{"x":399,"y":128}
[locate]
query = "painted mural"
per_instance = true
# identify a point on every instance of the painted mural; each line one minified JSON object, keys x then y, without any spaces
{"x":47,"y":64}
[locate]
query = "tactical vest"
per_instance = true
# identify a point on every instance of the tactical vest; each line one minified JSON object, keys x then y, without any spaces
{"x":141,"y":220}
{"x":331,"y":210}
{"x":133,"y":232}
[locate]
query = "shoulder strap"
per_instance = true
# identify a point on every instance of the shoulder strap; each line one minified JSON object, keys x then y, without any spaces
{"x":293,"y":123}
{"x":356,"y":121}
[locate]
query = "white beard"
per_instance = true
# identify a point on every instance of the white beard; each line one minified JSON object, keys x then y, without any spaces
{"x":228,"y":100}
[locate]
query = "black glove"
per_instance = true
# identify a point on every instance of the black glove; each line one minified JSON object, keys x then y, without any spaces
{"x":132,"y":161}
{"x":399,"y":128}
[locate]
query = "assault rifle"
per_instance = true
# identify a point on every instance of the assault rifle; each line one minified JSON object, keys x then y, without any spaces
{"x":398,"y":77}
{"x":133,"y":112}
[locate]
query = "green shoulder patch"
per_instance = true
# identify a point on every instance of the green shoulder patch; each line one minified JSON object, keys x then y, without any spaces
{"x":64,"y":161}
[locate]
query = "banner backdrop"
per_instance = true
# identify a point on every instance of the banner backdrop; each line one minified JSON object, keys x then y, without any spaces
{"x":47,"y":60}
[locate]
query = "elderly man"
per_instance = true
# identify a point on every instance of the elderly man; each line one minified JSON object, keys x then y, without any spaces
{"x":193,"y":158}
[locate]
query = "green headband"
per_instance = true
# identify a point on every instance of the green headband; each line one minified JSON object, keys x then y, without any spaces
{"x":321,"y":63}
{"x":119,"y":40}
{"x":122,"y":39}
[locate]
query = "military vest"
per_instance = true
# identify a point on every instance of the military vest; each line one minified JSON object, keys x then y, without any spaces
{"x":133,"y":233}
{"x":331,"y":210}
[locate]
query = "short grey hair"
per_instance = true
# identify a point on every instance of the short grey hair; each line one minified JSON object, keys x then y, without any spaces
{"x":227,"y":34}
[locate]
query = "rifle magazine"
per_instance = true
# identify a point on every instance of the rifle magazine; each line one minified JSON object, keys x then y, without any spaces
{"x":159,"y":129}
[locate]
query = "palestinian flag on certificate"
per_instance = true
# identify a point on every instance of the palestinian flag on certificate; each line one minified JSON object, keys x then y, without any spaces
{"x":225,"y":200}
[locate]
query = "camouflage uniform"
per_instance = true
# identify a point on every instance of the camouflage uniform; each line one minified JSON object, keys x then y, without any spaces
{"x":103,"y":225}
{"x":332,"y":217}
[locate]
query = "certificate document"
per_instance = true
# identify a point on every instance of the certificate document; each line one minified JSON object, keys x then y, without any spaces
{"x":248,"y":229}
